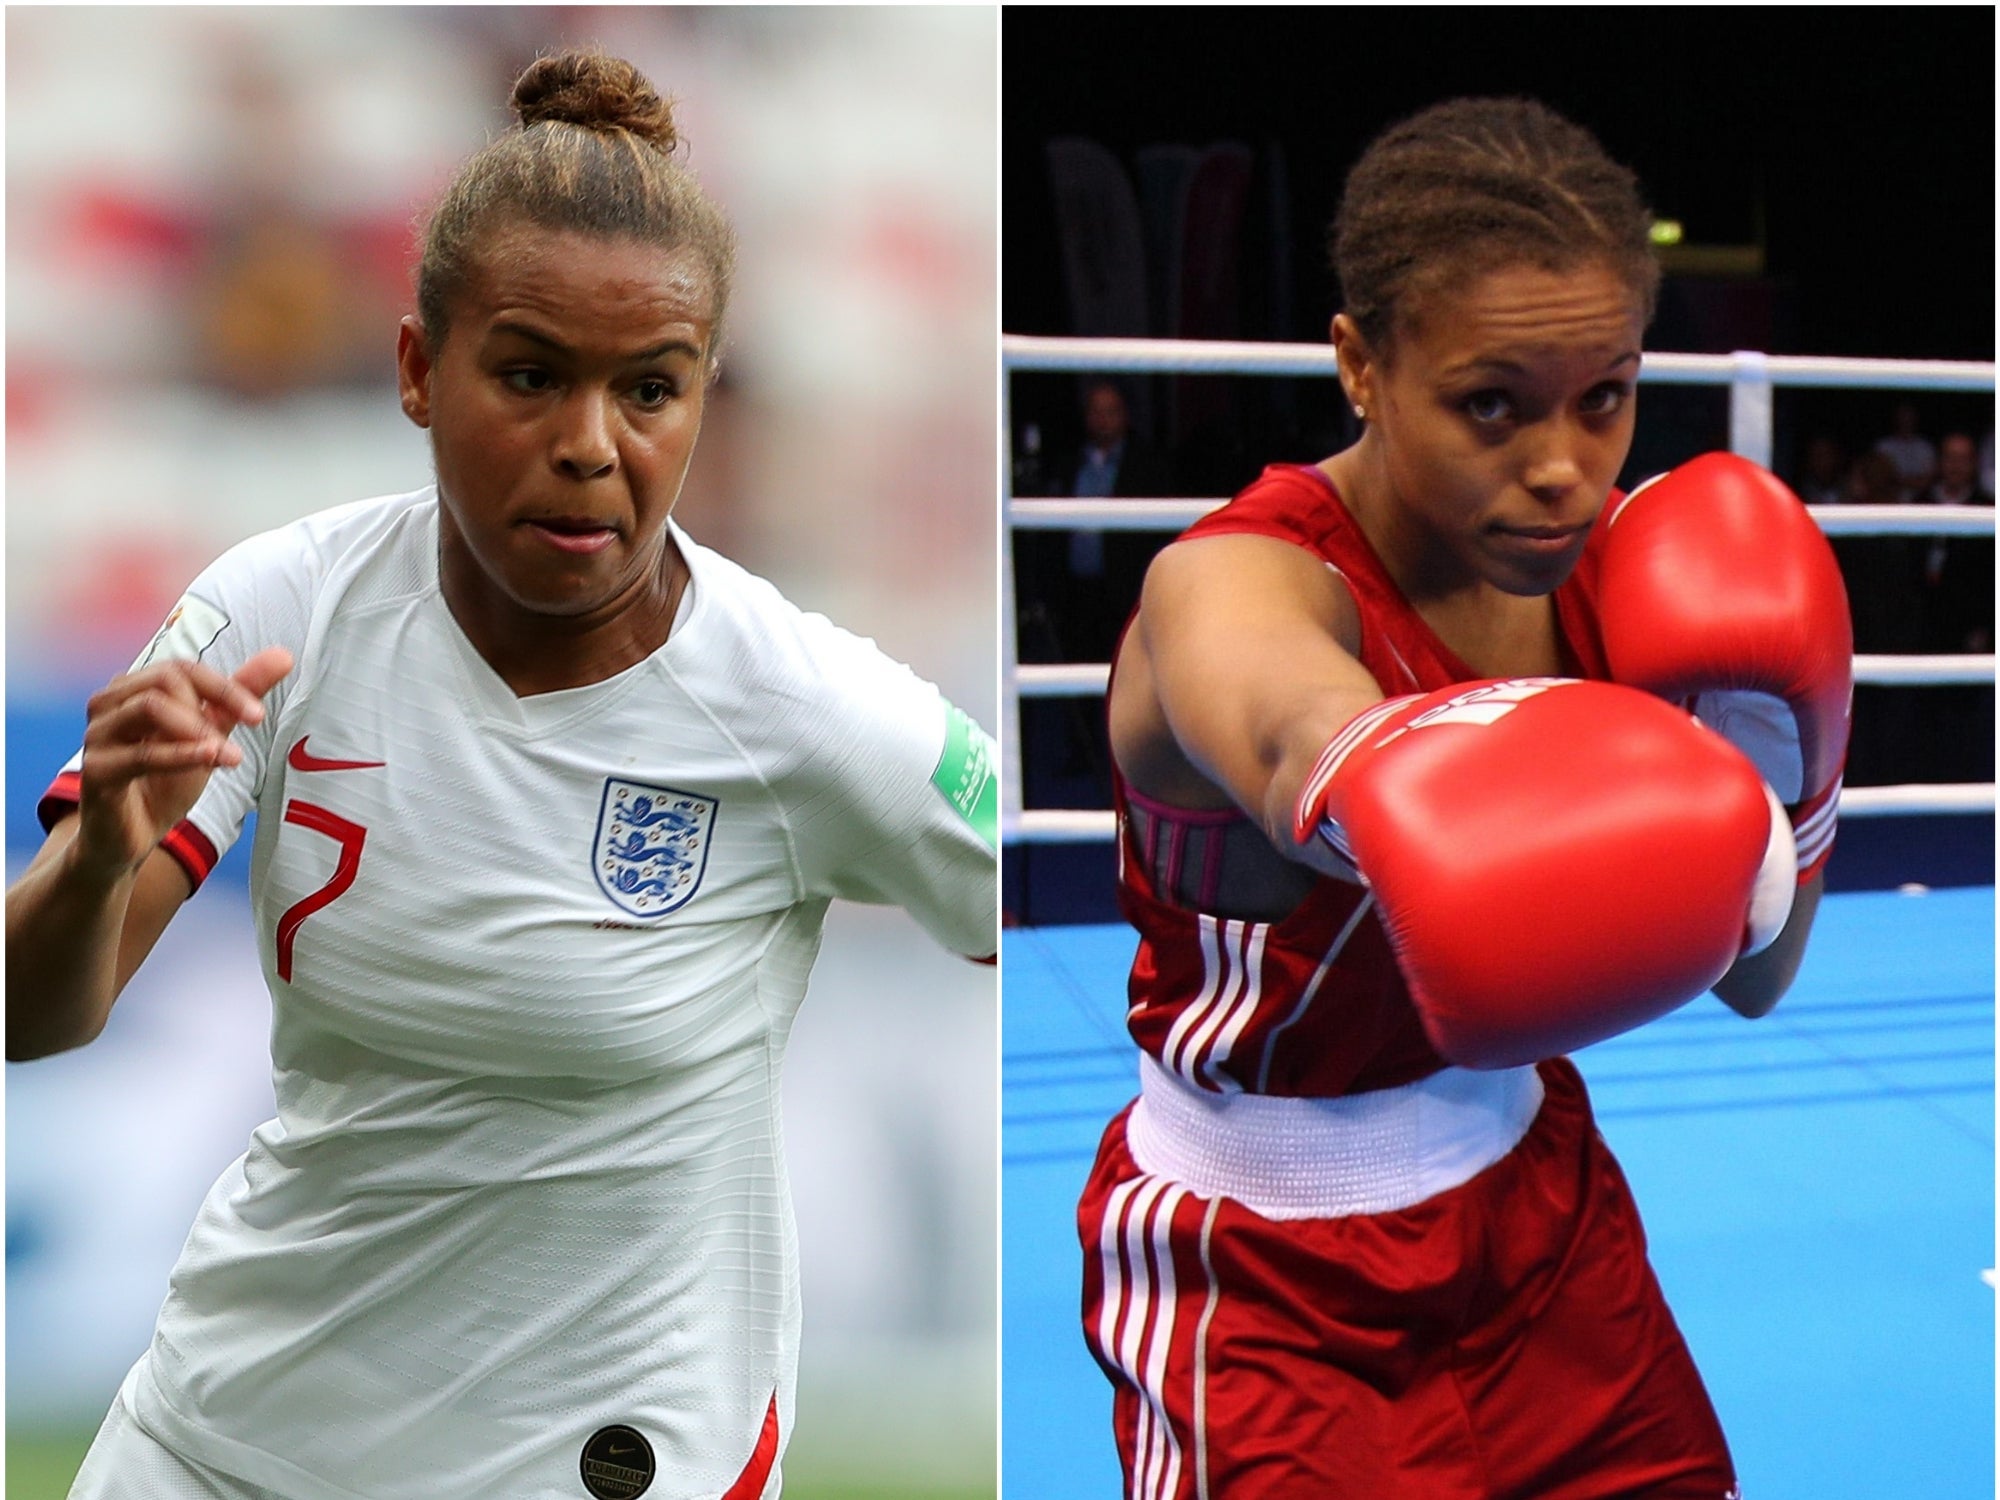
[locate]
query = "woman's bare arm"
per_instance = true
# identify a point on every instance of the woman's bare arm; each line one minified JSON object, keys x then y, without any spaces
{"x":1755,"y":984}
{"x":1239,"y":669}
{"x":97,"y":896}
{"x":75,"y":936}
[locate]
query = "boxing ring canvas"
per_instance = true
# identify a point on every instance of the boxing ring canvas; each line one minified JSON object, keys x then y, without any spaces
{"x":1817,"y":1186}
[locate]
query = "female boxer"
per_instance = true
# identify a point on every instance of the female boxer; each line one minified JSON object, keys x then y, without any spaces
{"x":1410,"y":804}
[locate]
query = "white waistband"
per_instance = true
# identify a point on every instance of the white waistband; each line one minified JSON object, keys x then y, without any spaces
{"x":1322,"y":1158}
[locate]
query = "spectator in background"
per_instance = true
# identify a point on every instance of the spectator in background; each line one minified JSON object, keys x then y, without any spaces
{"x":1105,"y":569}
{"x":1878,"y":570}
{"x":285,"y":289}
{"x":1959,"y":603}
{"x":1825,"y":479}
{"x":1913,"y":454}
{"x":273,"y":308}
{"x":1953,"y":578}
{"x":1076,"y":589}
{"x":1956,"y":573}
{"x":1959,"y":481}
{"x":1112,"y":461}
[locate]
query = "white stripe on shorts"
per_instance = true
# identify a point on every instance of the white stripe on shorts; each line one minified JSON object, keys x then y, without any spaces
{"x":1139,"y":1219}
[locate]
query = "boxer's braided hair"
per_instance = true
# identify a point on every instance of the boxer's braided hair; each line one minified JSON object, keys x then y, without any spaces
{"x":593,"y":152}
{"x":1473,"y":185}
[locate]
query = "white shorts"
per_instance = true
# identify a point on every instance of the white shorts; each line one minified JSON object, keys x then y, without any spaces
{"x":126,"y":1462}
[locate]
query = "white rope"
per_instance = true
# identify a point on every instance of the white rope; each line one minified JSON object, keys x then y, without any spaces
{"x":1179,"y":514}
{"x":1903,"y":520}
{"x":1089,"y":679}
{"x":1923,"y":797}
{"x":1167,"y":356}
{"x":1071,"y":680}
{"x":1107,"y":515}
{"x":1047,"y":826}
{"x":1914,"y":671}
{"x":1069,"y":826}
{"x":1235,"y":357}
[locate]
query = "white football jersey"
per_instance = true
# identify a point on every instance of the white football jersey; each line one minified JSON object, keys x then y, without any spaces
{"x":521,"y":1226}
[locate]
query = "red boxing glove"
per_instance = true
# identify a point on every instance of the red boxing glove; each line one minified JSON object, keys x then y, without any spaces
{"x":1719,"y":592}
{"x":1556,"y":861}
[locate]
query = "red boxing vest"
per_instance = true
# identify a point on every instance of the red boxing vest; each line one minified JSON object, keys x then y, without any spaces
{"x":1313,"y":1005}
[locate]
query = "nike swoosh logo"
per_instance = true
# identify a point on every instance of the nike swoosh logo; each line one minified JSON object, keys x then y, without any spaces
{"x":299,"y":760}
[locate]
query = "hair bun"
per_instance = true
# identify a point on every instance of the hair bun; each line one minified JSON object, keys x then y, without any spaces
{"x":596,"y":91}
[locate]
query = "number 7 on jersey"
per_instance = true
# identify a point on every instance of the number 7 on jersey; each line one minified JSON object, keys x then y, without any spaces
{"x":350,"y":837}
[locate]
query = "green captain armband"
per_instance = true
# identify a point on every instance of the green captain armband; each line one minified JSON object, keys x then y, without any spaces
{"x":965,"y":776}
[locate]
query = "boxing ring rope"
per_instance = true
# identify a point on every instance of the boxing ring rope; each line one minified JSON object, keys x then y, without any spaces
{"x":1750,"y":376}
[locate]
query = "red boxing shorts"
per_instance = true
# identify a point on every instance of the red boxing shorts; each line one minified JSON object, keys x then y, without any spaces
{"x":1504,"y":1339}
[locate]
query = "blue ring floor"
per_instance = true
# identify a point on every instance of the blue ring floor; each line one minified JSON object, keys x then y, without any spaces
{"x":1817,"y":1187}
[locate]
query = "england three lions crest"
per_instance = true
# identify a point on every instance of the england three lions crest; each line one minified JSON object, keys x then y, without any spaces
{"x":652,"y":846}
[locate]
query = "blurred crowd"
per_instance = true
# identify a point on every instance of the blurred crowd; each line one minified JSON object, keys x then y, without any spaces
{"x":1914,"y":595}
{"x":212,"y":213}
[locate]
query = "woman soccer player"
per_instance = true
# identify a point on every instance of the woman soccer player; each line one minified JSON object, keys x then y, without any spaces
{"x":1389,"y":857}
{"x":551,"y":804}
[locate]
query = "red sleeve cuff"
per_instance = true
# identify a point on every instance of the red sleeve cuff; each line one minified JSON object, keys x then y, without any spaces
{"x":191,"y":851}
{"x":60,"y":800}
{"x":187,"y":844}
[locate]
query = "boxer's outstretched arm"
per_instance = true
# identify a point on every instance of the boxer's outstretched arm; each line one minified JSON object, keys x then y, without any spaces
{"x":1240,"y":665}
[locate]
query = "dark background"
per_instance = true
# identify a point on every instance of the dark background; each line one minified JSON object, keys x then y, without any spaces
{"x":1855,"y":142}
{"x":1854,"y":146}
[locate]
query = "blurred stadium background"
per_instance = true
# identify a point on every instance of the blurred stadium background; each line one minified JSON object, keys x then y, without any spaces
{"x":211,"y":217}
